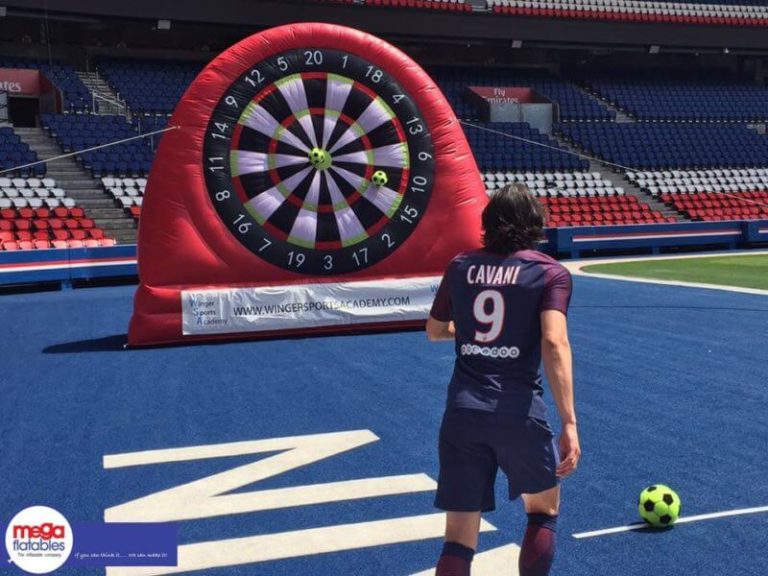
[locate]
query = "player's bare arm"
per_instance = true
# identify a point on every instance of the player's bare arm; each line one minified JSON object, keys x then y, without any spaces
{"x":558,"y":365}
{"x":437,"y":330}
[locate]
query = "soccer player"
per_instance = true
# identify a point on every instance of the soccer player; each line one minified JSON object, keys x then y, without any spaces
{"x":506,"y":307}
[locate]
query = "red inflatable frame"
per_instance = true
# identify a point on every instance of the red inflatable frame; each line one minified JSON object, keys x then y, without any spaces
{"x":183,"y":245}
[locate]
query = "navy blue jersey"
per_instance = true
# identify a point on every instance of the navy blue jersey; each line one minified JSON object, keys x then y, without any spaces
{"x":495,"y":302}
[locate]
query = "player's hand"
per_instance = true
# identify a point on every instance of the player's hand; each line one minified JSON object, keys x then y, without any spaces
{"x":570,"y":451}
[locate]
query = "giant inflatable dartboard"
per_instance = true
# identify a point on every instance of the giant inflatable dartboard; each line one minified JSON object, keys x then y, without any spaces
{"x":291,"y":151}
{"x":318,"y":180}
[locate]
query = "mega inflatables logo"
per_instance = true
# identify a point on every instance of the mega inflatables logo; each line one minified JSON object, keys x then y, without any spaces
{"x":39,"y":540}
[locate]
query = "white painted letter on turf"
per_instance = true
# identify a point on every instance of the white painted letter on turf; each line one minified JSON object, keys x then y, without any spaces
{"x":207,"y":497}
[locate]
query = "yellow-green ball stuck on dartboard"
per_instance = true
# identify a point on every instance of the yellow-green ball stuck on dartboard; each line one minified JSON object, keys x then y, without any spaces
{"x":320,"y":159}
{"x":659,"y":506}
{"x":380,"y":178}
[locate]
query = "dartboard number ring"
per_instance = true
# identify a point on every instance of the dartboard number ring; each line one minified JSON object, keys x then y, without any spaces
{"x":318,"y":161}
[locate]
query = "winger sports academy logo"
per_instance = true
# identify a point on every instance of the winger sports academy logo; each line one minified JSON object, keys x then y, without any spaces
{"x":39,"y":540}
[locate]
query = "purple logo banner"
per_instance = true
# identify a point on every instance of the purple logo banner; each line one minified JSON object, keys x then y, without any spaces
{"x":124,"y":544}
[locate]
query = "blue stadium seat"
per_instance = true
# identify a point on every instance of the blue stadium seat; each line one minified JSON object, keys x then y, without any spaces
{"x":130,"y":79}
{"x":81,"y":132}
{"x":15,"y":153}
{"x":709,"y":95}
{"x":650,"y":146}
{"x":495,"y":151}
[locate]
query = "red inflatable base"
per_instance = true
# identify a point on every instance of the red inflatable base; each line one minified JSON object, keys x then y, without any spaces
{"x":193,"y":270}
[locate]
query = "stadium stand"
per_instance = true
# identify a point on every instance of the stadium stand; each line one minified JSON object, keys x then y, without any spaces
{"x":495,"y":150}
{"x":690,"y":181}
{"x":711,"y":195}
{"x":15,"y":153}
{"x":35,"y":214}
{"x":146,"y":124}
{"x":644,"y":146}
{"x":573,"y":104}
{"x":149,"y":87}
{"x":580,"y":198}
{"x":129,"y":192}
{"x":710,"y":95}
{"x":709,"y":13}
{"x":676,"y":155}
{"x":718,"y":2}
{"x":77,"y":97}
{"x":3,"y":107}
{"x":75,"y":133}
{"x":32,"y":193}
{"x":600,"y":211}
{"x":445,"y":5}
{"x":449,"y":5}
{"x":711,"y":207}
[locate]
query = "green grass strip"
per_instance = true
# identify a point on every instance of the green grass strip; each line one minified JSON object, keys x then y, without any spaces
{"x":749,"y":271}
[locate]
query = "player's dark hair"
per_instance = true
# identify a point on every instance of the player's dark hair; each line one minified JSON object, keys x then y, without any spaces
{"x":513,"y":220}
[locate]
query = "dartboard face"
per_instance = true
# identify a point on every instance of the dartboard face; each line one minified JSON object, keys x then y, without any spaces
{"x":318,"y":162}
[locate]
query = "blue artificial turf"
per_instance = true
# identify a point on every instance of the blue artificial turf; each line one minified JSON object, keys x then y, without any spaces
{"x":671,"y":387}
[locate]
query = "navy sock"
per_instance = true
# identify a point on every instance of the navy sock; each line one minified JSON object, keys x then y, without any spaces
{"x":455,"y":560}
{"x":538,"y":549}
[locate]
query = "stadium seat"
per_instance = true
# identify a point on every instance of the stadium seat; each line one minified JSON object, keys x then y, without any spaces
{"x":582,"y":199}
{"x":691,"y":12}
{"x":15,"y":153}
{"x":644,"y":146}
{"x":710,"y":95}
{"x":81,"y":132}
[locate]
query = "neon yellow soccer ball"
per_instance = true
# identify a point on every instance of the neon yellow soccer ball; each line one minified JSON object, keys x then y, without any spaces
{"x":659,"y":505}
{"x":380,"y":178}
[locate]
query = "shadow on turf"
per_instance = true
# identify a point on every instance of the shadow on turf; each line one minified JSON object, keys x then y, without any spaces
{"x":107,"y":344}
{"x":652,"y":530}
{"x":119,"y":341}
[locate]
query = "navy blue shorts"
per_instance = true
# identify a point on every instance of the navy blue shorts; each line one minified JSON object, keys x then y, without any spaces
{"x":474,"y":444}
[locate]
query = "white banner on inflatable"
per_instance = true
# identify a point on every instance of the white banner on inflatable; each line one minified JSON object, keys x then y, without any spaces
{"x":234,"y":310}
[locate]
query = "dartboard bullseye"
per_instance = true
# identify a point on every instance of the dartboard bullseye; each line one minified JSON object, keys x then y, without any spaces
{"x":318,"y":162}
